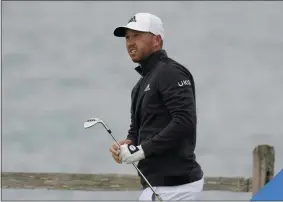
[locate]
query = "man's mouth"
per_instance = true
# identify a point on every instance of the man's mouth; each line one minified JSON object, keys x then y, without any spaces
{"x":132,"y":51}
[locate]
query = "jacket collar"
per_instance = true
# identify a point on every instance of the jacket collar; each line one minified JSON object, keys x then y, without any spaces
{"x":149,"y":63}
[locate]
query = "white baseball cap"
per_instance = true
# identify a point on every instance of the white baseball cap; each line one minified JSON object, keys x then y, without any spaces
{"x":143,"y":22}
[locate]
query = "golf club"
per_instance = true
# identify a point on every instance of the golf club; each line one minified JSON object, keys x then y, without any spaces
{"x":93,"y":121}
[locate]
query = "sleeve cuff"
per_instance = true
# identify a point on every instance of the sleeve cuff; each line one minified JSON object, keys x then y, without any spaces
{"x":146,"y":148}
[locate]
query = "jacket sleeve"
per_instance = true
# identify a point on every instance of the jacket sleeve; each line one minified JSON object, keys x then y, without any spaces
{"x":132,"y":132}
{"x":177,"y":93}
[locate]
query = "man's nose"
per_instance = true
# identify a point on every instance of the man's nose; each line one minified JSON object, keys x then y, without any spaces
{"x":130,"y":43}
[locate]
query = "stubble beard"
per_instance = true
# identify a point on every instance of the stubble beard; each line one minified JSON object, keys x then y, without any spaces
{"x":144,"y":55}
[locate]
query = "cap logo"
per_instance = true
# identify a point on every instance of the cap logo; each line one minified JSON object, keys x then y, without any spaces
{"x":133,"y":19}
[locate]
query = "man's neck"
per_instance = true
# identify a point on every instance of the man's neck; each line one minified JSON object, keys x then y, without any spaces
{"x":146,"y":58}
{"x":146,"y":64}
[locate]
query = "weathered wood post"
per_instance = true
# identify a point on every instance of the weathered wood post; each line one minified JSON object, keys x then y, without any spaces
{"x":263,"y":166}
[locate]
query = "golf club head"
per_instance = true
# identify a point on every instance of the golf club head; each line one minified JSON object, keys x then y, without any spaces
{"x":91,"y":122}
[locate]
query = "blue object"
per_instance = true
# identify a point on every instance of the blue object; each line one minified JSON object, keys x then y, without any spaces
{"x":272,"y":191}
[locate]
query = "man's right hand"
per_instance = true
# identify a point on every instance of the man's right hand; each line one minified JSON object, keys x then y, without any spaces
{"x":115,"y":149}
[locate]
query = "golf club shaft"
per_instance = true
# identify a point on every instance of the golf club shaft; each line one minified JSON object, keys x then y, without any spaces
{"x":157,"y":195}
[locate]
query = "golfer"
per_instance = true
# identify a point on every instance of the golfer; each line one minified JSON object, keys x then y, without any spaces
{"x":162,"y":133}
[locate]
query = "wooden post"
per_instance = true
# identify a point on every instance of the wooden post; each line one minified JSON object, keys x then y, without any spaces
{"x":263,"y":166}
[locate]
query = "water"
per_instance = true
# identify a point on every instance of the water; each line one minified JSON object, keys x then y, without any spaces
{"x":61,"y":65}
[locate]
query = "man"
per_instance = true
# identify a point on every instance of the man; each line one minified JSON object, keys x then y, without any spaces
{"x":162,"y":134}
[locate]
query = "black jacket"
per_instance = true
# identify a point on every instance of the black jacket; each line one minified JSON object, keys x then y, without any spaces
{"x":163,"y":121}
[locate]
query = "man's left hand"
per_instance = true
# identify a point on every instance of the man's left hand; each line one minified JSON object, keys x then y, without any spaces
{"x":130,"y":153}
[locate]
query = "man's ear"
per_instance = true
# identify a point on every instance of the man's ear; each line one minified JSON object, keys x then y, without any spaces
{"x":158,"y":40}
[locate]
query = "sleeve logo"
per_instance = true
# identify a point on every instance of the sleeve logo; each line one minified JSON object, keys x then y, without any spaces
{"x":184,"y":83}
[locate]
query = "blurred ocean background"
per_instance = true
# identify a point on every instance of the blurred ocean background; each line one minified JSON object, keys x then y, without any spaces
{"x":61,"y":65}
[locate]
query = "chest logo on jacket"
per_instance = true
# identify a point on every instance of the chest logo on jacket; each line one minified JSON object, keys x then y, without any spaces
{"x":147,"y":88}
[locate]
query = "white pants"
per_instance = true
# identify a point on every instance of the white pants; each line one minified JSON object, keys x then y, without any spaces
{"x":190,"y":191}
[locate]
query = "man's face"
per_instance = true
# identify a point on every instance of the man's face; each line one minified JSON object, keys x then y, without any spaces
{"x":140,"y":44}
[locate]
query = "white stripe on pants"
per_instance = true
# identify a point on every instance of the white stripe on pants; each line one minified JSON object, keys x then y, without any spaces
{"x":190,"y":191}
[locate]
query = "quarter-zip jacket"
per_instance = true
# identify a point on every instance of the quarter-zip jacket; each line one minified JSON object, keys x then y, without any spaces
{"x":163,"y":121}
